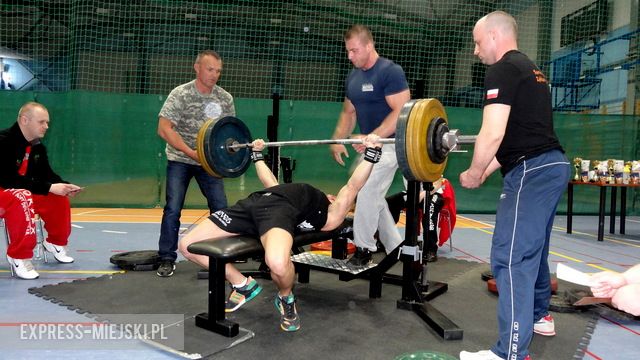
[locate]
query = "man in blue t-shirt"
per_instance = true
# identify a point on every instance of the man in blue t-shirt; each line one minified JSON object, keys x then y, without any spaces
{"x":376,"y":90}
{"x":517,"y":137}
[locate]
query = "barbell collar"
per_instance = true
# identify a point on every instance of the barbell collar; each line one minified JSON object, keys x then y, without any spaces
{"x":452,"y":138}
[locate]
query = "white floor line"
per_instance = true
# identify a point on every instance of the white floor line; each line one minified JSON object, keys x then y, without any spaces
{"x":114,"y":232}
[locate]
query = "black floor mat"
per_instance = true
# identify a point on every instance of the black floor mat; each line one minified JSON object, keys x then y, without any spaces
{"x":338,"y":319}
{"x":143,"y":292}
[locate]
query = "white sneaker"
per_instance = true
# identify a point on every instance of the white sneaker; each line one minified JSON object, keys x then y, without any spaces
{"x":23,"y":268}
{"x":480,"y":355}
{"x":545,"y":326}
{"x":59,"y":252}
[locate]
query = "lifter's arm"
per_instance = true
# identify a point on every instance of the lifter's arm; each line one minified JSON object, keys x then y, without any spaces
{"x":264,"y":173}
{"x":347,"y":195}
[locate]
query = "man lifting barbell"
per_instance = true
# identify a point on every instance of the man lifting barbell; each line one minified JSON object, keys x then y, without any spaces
{"x":275,"y":214}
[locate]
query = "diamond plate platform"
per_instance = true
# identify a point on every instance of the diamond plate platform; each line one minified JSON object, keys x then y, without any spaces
{"x":327,"y":262}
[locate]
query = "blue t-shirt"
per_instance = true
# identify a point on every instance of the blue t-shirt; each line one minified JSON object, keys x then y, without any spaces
{"x":366,"y":89}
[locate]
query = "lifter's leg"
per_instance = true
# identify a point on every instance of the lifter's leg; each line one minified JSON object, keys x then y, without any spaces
{"x":207,"y":230}
{"x":277,"y":254}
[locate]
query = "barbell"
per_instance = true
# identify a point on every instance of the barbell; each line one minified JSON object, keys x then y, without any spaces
{"x":423,"y":141}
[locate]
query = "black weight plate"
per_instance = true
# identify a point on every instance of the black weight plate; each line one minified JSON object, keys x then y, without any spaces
{"x":561,"y":305}
{"x":401,"y":137}
{"x":223,"y":161}
{"x":137,"y":260}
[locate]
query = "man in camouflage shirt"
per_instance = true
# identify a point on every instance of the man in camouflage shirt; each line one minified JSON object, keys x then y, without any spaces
{"x":188,"y":107}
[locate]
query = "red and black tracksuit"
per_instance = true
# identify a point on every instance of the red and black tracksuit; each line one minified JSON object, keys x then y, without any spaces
{"x":25,"y":165}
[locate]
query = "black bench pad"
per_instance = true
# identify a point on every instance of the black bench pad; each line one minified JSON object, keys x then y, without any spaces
{"x":242,"y":246}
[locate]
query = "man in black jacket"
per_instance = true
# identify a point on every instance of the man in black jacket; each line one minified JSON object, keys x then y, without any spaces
{"x":24,"y":164}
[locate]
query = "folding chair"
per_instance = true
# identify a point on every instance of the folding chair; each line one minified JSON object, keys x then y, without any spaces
{"x":39,"y":251}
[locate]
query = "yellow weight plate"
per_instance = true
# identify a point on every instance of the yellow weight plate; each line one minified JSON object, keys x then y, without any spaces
{"x":424,"y":112}
{"x":202,"y":135}
{"x":412,"y":138}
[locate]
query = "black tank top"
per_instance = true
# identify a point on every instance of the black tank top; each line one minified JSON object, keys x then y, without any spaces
{"x":311,"y":203}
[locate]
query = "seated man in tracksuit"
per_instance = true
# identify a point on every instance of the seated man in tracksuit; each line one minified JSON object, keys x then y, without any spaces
{"x":24,"y":164}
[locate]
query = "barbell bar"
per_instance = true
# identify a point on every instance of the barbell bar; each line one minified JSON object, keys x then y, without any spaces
{"x":308,"y":142}
{"x":423,"y":141}
{"x":451,"y":142}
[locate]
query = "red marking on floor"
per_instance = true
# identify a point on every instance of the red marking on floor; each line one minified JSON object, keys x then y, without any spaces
{"x":620,"y":325}
{"x":592,"y":355}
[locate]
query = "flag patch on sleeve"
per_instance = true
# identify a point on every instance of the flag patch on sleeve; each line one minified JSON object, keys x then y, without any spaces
{"x":492,"y":93}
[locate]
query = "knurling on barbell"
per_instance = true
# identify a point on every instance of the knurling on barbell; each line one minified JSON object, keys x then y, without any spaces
{"x":422,"y":143}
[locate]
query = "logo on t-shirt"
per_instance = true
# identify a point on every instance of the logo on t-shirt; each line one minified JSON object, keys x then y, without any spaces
{"x":540,"y":76}
{"x":492,"y":93}
{"x":367,"y":87}
{"x":213,"y":110}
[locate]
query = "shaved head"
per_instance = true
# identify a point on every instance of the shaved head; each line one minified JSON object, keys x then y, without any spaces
{"x":494,"y":35}
{"x":502,"y":22}
{"x":28,"y":109}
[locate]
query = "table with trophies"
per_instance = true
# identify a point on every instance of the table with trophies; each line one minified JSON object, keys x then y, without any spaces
{"x":605,"y":174}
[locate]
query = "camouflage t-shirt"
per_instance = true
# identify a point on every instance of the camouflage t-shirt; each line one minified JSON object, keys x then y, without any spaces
{"x":188,"y":109}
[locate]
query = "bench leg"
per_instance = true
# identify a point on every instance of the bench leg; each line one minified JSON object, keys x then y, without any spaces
{"x":215,"y":320}
{"x":375,"y":285}
{"x":303,"y":272}
{"x":339,"y":247}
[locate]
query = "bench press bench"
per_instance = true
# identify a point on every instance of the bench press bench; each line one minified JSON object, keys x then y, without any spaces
{"x":224,"y":251}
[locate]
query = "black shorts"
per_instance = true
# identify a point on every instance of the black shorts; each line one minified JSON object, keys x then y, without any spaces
{"x":256,"y":215}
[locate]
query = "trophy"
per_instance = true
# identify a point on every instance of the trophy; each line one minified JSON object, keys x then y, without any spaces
{"x":626,"y":173}
{"x":584,"y":170}
{"x":577,"y":162}
{"x":635,"y":172}
{"x":610,"y":173}
{"x":618,"y":171}
{"x":596,"y":169}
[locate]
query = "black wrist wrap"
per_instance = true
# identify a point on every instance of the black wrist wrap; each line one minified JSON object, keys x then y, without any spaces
{"x":372,"y":155}
{"x":256,"y":156}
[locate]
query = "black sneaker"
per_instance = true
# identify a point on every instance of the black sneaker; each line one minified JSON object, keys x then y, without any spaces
{"x":289,"y":319}
{"x":166,"y":268}
{"x":361,"y":257}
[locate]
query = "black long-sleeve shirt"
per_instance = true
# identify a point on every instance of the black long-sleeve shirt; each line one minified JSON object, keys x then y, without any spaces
{"x":39,"y":175}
